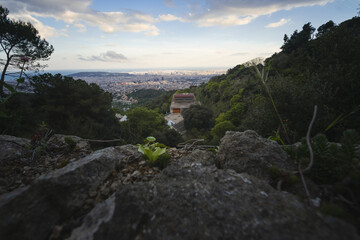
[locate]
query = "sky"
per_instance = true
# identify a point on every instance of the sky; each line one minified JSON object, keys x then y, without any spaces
{"x":170,"y":34}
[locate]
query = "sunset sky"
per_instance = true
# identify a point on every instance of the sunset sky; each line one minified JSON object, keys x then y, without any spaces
{"x":170,"y":34}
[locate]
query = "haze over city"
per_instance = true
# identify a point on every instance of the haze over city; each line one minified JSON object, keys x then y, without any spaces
{"x":170,"y":34}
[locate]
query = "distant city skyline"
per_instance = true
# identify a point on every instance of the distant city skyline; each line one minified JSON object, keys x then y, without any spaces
{"x":170,"y":34}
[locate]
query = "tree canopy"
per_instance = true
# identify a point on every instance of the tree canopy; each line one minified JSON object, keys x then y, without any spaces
{"x":21,"y":43}
{"x":197,"y":116}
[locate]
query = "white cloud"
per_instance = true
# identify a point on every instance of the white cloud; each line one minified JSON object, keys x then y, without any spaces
{"x":282,"y":21}
{"x":168,"y":17}
{"x":80,"y":27}
{"x":74,"y":11}
{"x":230,"y":20}
{"x":240,"y":12}
{"x":204,"y":13}
{"x":44,"y":30}
{"x":109,"y":56}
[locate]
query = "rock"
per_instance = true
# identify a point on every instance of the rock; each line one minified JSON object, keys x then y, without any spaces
{"x":13,"y":148}
{"x":32,"y":212}
{"x":193,"y":200}
{"x":57,"y":143}
{"x":248,"y":152}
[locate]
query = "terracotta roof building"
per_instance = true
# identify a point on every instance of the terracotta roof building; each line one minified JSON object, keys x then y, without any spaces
{"x":182,"y":101}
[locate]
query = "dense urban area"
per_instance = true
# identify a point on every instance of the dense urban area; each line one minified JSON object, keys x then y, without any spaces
{"x":121,"y":84}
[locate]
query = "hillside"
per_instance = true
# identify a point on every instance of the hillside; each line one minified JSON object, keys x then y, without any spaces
{"x":321,"y":68}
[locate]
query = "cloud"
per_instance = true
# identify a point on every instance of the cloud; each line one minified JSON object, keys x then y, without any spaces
{"x":168,"y":17}
{"x":73,"y":12}
{"x":80,"y":27}
{"x":240,"y":12}
{"x":44,"y":31}
{"x":109,"y":56}
{"x":282,"y":21}
{"x":204,"y":13}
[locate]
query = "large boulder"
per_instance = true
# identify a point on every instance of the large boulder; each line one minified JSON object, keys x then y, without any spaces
{"x":248,"y":152}
{"x":33,"y":212}
{"x":192,"y":199}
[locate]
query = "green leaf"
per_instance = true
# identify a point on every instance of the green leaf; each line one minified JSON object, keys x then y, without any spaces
{"x":151,"y":139}
{"x":158,"y":151}
{"x":141,"y":149}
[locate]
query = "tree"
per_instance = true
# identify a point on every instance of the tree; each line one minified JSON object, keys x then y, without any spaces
{"x":298,"y":39}
{"x":20,"y":40}
{"x":198,"y":116}
{"x":325,"y":28}
{"x":141,"y":123}
{"x":74,"y":107}
{"x":219,"y":130}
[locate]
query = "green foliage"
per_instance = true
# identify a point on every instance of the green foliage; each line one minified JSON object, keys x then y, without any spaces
{"x":332,"y":163}
{"x":236,"y":99}
{"x":309,"y":71}
{"x":142,"y":122}
{"x":235,"y":114}
{"x":219,"y":130}
{"x":298,"y":39}
{"x":162,"y":161}
{"x":160,"y":103}
{"x":68,"y":106}
{"x":277,"y":138}
{"x":74,"y":107}
{"x":198,"y":116}
{"x":152,"y":152}
{"x":168,"y":136}
{"x":325,"y":28}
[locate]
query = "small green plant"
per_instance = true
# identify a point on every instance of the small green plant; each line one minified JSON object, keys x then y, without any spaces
{"x":277,"y":138}
{"x":151,"y":150}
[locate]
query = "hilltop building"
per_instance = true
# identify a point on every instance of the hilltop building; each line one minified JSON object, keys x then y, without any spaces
{"x":182,"y":101}
{"x":179,"y":103}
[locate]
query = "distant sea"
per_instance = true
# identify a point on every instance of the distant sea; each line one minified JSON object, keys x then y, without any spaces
{"x":15,"y":75}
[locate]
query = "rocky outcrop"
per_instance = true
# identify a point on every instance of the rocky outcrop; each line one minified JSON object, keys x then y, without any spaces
{"x":22,"y":161}
{"x":63,"y":195}
{"x":193,"y":199}
{"x":112,"y":194}
{"x":248,"y":152}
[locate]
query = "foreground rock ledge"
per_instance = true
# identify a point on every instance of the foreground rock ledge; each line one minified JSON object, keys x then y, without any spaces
{"x":33,"y":211}
{"x":192,"y":199}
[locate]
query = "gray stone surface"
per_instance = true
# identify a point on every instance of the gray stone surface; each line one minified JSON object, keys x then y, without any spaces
{"x":13,"y":148}
{"x":248,"y":152}
{"x":57,"y":143}
{"x":194,"y":200}
{"x":33,"y":212}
